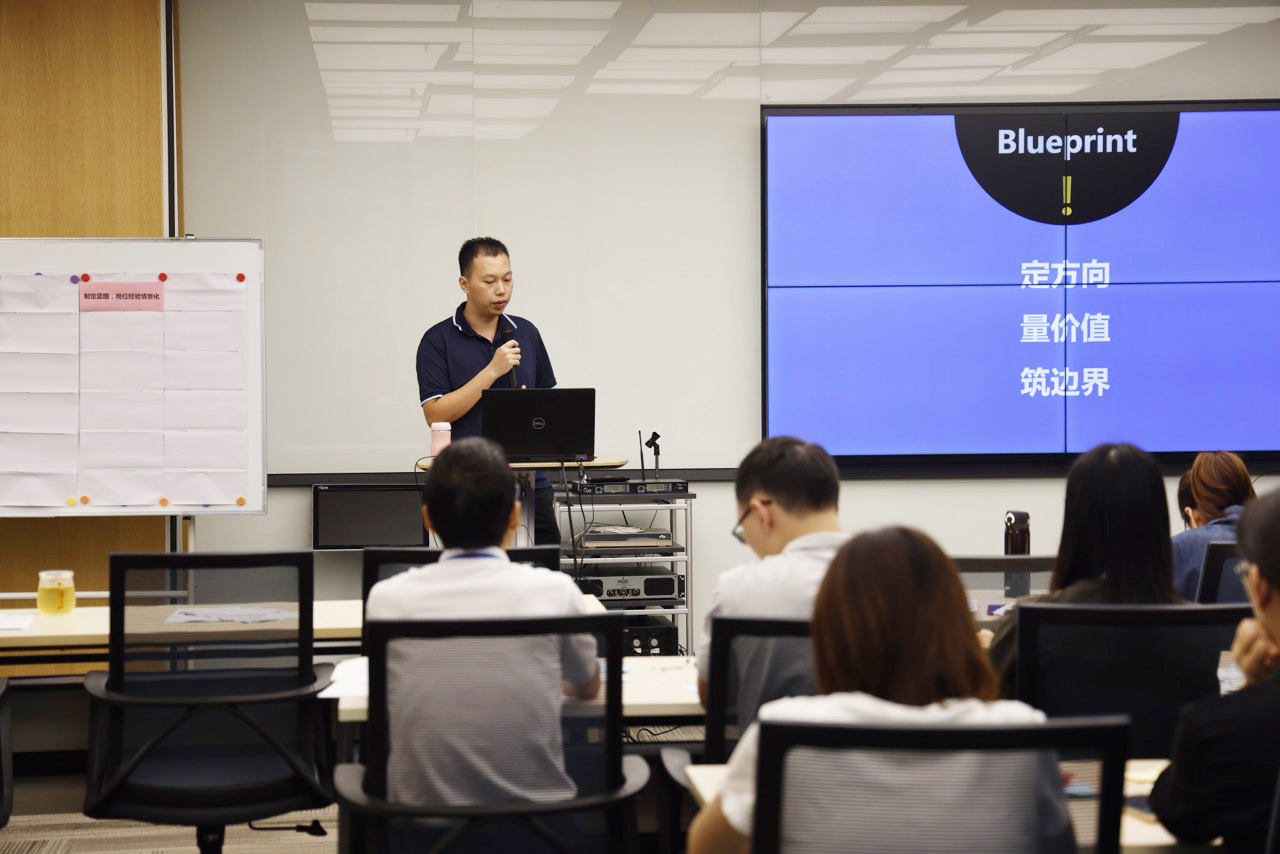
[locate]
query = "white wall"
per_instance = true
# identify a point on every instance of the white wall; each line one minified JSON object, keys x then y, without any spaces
{"x":633,"y":219}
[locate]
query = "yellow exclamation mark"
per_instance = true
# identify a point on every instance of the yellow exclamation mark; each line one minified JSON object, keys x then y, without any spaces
{"x":1066,"y":195}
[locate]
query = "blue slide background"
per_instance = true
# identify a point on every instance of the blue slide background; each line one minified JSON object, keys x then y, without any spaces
{"x":859,"y":206}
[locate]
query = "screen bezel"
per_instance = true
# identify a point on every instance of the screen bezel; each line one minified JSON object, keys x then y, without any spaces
{"x":968,"y":465}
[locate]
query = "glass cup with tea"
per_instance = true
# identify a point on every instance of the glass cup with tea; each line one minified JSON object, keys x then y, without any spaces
{"x":56,"y":593}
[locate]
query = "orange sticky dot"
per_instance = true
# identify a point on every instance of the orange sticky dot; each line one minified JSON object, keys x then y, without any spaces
{"x":84,"y":499}
{"x":84,"y":277}
{"x":240,"y":501}
{"x":239,"y":277}
{"x":71,"y":502}
{"x":164,"y":502}
{"x":163,"y":277}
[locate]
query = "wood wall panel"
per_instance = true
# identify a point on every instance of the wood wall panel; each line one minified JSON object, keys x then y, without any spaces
{"x":82,"y":137}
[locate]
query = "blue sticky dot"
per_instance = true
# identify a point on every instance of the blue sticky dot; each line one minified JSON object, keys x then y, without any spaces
{"x":75,"y":280}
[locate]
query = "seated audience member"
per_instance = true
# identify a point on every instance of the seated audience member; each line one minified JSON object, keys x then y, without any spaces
{"x":1226,"y":756}
{"x":1211,"y":496}
{"x":486,"y":725}
{"x":893,"y":643}
{"x":787,"y":492}
{"x":1114,"y":547}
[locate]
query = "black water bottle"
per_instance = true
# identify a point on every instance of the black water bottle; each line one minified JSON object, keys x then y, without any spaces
{"x":1017,"y":541}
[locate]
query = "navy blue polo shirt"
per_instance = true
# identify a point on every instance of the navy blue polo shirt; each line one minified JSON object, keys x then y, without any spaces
{"x":451,"y":353}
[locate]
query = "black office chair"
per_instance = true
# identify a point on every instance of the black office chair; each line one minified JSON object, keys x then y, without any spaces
{"x":1273,"y":830}
{"x":382,"y":563}
{"x":208,"y":714}
{"x":956,"y":788}
{"x":489,"y":682}
{"x":752,"y":661}
{"x":1145,"y":661}
{"x":6,"y":756}
{"x":1218,"y":580}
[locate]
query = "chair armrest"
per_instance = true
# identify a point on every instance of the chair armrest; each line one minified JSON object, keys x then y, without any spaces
{"x":348,"y":784}
{"x":95,"y":682}
{"x":674,"y":761}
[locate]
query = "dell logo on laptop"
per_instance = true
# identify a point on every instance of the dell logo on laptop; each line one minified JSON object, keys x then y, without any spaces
{"x":539,"y":423}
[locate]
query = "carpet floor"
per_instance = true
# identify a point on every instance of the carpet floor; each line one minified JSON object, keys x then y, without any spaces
{"x":71,"y":833}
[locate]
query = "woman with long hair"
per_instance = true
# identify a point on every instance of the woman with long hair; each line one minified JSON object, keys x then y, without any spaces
{"x":894,"y":643}
{"x":1114,"y":547}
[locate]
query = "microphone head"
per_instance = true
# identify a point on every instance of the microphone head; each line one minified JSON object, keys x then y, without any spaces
{"x":652,"y":440}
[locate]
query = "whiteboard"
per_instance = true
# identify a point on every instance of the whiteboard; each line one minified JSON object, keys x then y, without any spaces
{"x":131,"y":377}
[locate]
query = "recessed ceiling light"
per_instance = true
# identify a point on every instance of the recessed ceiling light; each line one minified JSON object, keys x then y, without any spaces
{"x":523,"y":81}
{"x":925,"y":94}
{"x":504,"y":58}
{"x":514,"y":108}
{"x":837,"y":55}
{"x":958,"y":60}
{"x":802,"y":90}
{"x":576,"y":51}
{"x":392,"y":35}
{"x":684,"y":66}
{"x":775,"y":24}
{"x":587,"y":37}
{"x":1130,"y":30}
{"x":653,"y":74}
{"x":440,"y":78}
{"x":415,"y":12}
{"x":643,"y":88}
{"x":881,"y":14}
{"x":379,"y":57}
{"x":934,"y":75}
{"x":1159,"y":14}
{"x":450,"y":105}
{"x":990,"y":40}
{"x":567,"y":9}
{"x":856,"y":28}
{"x":703,"y":29}
{"x":1108,"y":55}
{"x":690,"y":54}
{"x":373,"y":91}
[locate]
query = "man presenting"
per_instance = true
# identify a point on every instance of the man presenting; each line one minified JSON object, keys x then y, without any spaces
{"x":480,"y":347}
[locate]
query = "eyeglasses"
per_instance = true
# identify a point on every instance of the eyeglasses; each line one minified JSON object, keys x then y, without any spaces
{"x":1242,"y":568}
{"x":737,"y":529}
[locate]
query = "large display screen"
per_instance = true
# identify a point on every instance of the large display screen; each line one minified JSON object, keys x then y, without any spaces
{"x":1030,"y":280}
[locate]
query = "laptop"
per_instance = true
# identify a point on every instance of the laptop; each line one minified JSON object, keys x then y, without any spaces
{"x":541,"y":425}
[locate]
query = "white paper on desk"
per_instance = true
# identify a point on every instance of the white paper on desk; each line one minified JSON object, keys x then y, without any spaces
{"x":39,"y":413}
{"x":204,"y":330}
{"x":38,"y":452}
{"x":53,"y":372}
{"x":121,"y":449}
{"x":42,"y":489}
{"x":204,"y":292}
{"x":39,"y":333}
{"x":204,"y":369}
{"x":104,"y":370}
{"x":201,"y":450}
{"x":206,"y":487}
{"x":122,"y":410}
{"x":20,"y":292}
{"x":15,"y":622}
{"x":206,"y":409}
{"x":121,"y":487}
{"x":238,"y":614}
{"x":121,"y":330}
{"x":350,"y":679}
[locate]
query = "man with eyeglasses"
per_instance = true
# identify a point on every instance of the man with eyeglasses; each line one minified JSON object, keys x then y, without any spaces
{"x":788,"y":492}
{"x":1222,"y":777}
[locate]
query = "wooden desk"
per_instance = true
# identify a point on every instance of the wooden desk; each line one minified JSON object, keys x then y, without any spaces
{"x":655,"y":689}
{"x":1135,"y":834}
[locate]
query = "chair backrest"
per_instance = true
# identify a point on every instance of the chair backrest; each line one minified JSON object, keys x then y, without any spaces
{"x":382,"y":563}
{"x":1145,"y":661}
{"x":1218,"y":580}
{"x":491,"y":727}
{"x":955,"y":788}
{"x":752,"y":662}
{"x":211,"y":630}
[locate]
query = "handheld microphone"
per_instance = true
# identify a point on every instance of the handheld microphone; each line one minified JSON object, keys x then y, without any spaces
{"x":507,"y":333}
